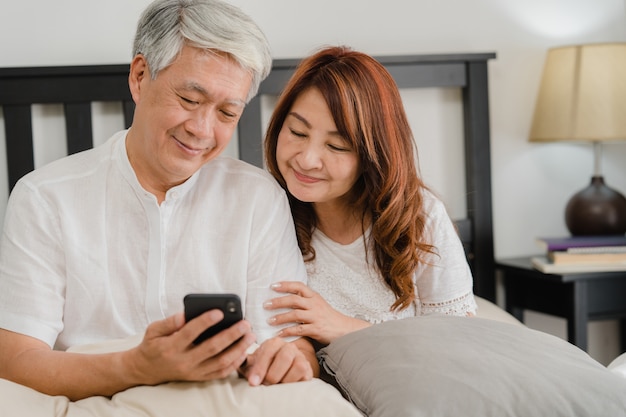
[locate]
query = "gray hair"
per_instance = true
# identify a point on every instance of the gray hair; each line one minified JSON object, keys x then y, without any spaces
{"x":166,"y":26}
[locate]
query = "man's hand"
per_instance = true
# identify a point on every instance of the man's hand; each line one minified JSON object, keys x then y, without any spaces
{"x":277,"y":361}
{"x":167,"y":352}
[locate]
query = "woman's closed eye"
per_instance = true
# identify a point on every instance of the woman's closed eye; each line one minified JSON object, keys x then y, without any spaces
{"x":339,"y":148}
{"x":297,"y":133}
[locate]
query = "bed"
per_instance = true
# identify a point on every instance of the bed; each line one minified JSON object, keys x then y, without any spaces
{"x":490,"y":365}
{"x":79,"y":86}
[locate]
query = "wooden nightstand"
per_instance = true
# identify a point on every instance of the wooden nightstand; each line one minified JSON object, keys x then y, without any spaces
{"x":577,"y":297}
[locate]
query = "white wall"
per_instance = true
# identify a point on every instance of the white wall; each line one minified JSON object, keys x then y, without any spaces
{"x":531,"y":182}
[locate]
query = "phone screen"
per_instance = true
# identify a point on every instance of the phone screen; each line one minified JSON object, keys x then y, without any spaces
{"x":229,"y":304}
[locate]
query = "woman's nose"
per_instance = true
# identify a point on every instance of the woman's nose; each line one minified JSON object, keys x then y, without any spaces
{"x":310,"y":157}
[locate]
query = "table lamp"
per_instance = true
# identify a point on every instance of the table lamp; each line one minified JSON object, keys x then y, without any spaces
{"x":582,"y":97}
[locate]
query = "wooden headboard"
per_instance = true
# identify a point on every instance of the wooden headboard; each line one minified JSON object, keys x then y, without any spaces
{"x":76,"y":87}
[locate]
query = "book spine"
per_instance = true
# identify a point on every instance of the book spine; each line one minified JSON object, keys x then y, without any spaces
{"x":552,"y":245}
{"x":587,"y":258}
{"x":545,"y":266}
{"x":598,"y":249}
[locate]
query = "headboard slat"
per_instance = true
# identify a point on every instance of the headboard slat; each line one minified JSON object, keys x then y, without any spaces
{"x":478,"y":176}
{"x":20,"y":152}
{"x":78,"y":126}
{"x":128,"y":107}
{"x":250,"y":134}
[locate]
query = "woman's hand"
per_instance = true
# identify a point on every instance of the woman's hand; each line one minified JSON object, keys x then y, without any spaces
{"x":278,"y":361}
{"x":312,"y":316}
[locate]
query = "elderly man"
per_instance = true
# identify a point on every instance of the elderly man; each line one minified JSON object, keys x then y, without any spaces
{"x":105,"y":244}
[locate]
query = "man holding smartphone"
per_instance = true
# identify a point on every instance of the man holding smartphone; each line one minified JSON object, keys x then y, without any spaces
{"x":105,"y":244}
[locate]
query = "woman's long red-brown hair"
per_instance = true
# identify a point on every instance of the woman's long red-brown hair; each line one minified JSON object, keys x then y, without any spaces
{"x":368,"y":112}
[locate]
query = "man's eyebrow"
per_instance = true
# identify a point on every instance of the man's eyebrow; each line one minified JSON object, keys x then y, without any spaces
{"x":193,"y":86}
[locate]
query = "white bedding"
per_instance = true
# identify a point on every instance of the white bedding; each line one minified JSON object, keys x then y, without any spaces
{"x":618,"y":365}
{"x":231,"y":397}
{"x":489,"y":310}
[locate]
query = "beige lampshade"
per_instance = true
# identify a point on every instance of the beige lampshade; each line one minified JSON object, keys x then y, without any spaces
{"x":582,"y":95}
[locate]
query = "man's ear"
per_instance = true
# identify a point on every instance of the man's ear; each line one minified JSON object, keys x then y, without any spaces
{"x":139,"y":72}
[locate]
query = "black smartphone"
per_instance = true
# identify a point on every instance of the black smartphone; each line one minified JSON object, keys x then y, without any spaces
{"x":229,"y":304}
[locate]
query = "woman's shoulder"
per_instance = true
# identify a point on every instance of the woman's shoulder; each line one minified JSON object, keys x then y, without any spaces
{"x":432,"y":204}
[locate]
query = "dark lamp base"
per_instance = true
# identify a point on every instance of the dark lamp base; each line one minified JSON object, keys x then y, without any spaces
{"x":596,"y":211}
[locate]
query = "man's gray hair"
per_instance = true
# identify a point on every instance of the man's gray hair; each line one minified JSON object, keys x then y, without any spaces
{"x":166,"y":26}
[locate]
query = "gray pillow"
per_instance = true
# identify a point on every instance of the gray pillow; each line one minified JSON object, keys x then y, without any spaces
{"x":458,"y":366}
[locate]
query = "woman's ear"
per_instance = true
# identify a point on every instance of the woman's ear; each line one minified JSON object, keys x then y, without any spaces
{"x":138,"y":73}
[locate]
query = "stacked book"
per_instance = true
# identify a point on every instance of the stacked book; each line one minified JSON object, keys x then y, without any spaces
{"x":582,"y":254}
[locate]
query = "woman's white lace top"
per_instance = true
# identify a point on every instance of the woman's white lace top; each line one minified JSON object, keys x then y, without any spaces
{"x":443,"y":284}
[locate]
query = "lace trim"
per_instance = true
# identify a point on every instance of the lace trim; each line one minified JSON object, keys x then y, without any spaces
{"x":459,"y":306}
{"x":409,"y":312}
